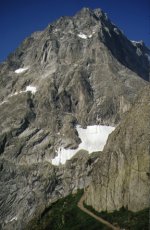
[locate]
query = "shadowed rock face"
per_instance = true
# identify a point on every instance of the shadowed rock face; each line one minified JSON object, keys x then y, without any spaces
{"x":121,"y":175}
{"x":79,"y":70}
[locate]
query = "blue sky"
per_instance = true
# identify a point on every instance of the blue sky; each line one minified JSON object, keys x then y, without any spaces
{"x":19,"y":18}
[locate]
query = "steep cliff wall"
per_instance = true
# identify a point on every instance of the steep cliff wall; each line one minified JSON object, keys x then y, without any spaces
{"x":121,"y":177}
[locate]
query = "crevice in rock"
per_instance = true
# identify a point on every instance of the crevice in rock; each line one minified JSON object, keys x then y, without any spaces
{"x":3,"y":141}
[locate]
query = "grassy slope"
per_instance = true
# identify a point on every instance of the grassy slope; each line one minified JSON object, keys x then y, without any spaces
{"x":65,"y":215}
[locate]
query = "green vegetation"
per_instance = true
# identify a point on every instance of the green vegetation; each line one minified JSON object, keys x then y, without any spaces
{"x":65,"y":215}
{"x":125,"y":218}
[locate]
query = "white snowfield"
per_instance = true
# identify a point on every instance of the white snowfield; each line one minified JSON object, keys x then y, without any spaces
{"x":93,"y":139}
{"x":21,"y":70}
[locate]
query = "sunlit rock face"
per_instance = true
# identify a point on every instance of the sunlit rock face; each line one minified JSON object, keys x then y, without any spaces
{"x":121,"y":175}
{"x":79,"y":70}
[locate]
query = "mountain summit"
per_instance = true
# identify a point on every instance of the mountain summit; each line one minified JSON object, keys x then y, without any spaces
{"x":59,"y":90}
{"x":60,"y":38}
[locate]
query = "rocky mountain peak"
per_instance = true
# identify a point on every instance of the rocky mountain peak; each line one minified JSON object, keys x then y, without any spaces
{"x":87,"y":12}
{"x":79,"y":76}
{"x":69,"y":37}
{"x":72,"y":65}
{"x":142,"y":49}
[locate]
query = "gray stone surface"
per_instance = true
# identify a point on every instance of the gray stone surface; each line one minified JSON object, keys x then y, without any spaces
{"x":78,"y":81}
{"x":120,"y":177}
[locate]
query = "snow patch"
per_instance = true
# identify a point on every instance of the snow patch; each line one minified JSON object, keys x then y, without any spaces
{"x":31,"y":89}
{"x":63,"y":155}
{"x":93,"y":139}
{"x":14,"y":94}
{"x":21,"y":70}
{"x":14,"y":218}
{"x":81,"y":35}
{"x":84,"y":36}
{"x":107,"y":30}
{"x":3,"y":102}
{"x":136,"y":42}
{"x":116,"y":31}
{"x":90,"y":35}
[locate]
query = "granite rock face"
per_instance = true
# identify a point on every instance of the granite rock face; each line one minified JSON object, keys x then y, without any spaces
{"x":81,"y":65}
{"x":121,"y":175}
{"x":26,"y":190}
{"x":79,"y":70}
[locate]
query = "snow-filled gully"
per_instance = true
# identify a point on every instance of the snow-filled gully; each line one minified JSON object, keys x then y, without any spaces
{"x":93,"y":139}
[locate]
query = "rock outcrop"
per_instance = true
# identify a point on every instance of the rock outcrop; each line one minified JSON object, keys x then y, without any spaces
{"x":121,"y":176}
{"x":27,"y":190}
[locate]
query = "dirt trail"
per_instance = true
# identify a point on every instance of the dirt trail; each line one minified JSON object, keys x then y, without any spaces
{"x":101,"y":220}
